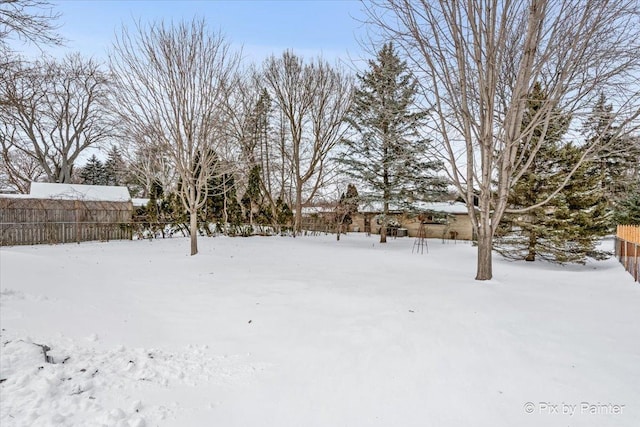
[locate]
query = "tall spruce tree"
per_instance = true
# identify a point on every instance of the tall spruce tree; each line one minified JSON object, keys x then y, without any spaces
{"x":115,"y":169}
{"x":93,"y":172}
{"x":252,"y":199}
{"x":627,"y":210}
{"x":566,"y":229}
{"x":388,"y":154}
{"x":618,"y":162}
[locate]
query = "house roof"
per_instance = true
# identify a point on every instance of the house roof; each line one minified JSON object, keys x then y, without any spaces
{"x":445,"y":207}
{"x":102,"y":193}
{"x":310,"y":210}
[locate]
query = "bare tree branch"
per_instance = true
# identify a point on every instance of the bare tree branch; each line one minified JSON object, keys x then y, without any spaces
{"x":32,"y":21}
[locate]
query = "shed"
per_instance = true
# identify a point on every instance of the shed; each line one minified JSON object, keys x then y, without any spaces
{"x":61,"y":213}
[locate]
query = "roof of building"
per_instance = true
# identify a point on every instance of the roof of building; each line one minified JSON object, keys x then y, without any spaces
{"x":310,"y":210}
{"x":139,"y":202}
{"x":446,"y":207}
{"x":14,"y":196}
{"x":102,"y":193}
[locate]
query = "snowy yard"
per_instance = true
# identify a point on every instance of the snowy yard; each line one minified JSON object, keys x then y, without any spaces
{"x":312,"y":332}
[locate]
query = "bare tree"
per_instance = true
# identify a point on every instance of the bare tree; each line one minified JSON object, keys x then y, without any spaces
{"x":32,"y":21}
{"x":247,"y":108}
{"x":477,"y":61}
{"x":17,"y":169}
{"x":148,"y":164}
{"x":171,"y":85}
{"x":54,"y":110}
{"x":313,"y":99}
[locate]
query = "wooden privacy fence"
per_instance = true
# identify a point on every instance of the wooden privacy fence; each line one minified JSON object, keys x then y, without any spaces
{"x":628,"y":248}
{"x":317,"y":225}
{"x":27,"y":221}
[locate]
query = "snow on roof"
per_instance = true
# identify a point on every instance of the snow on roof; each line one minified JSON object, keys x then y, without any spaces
{"x":102,"y":193}
{"x":446,"y":207}
{"x":310,"y":210}
{"x":137,"y":202}
{"x":14,"y":196}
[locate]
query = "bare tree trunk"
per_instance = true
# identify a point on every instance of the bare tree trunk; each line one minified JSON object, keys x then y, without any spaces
{"x":297,"y":227}
{"x":485,"y":251}
{"x":282,"y":140}
{"x":225,"y":212}
{"x":531,"y":256}
{"x":385,"y":221}
{"x":193,"y":231}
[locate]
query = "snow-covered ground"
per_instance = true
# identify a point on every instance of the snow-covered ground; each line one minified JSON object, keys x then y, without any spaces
{"x":273,"y":331}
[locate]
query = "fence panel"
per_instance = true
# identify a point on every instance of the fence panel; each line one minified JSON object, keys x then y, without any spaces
{"x":38,"y":233}
{"x":27,"y":221}
{"x":628,"y":249}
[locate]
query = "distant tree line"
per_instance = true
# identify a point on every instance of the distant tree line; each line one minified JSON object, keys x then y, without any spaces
{"x":544,"y":152}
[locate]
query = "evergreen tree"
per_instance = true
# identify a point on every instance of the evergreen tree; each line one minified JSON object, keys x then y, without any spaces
{"x":93,"y":172}
{"x":619,"y":160}
{"x":159,"y":211}
{"x":284,"y":214}
{"x":627,"y":211}
{"x":222,"y":205}
{"x":568,"y":228}
{"x":115,"y":169}
{"x":389,"y":156}
{"x":172,"y":210}
{"x":346,"y":207}
{"x":163,"y":213}
{"x":252,"y":199}
{"x":350,"y":201}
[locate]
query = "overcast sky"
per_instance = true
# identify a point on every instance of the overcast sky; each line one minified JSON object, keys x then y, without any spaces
{"x":261,"y":27}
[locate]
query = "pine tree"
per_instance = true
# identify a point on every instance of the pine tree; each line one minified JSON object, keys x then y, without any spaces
{"x":115,"y":169}
{"x":350,"y":201}
{"x":222,"y":205}
{"x":389,"y":155}
{"x":567,"y":228}
{"x":619,"y":161}
{"x":627,"y":211}
{"x":93,"y":172}
{"x":346,"y":207}
{"x":155,"y":213}
{"x":252,"y":199}
{"x":284,"y":214}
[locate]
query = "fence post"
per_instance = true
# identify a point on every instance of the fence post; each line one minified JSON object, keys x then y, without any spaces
{"x":77,"y":218}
